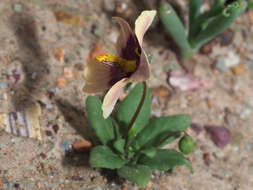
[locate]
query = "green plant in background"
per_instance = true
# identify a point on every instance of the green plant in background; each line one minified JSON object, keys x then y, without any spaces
{"x":203,"y":27}
{"x":133,"y":145}
{"x":250,"y":4}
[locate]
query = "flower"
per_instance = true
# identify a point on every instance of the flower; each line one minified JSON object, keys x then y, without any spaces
{"x":130,"y":64}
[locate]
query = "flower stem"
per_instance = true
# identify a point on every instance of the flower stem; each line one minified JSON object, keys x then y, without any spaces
{"x":137,"y":110}
{"x":169,"y":135}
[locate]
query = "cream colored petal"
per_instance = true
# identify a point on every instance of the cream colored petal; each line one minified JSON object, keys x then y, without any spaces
{"x":97,"y":77}
{"x":125,"y":32}
{"x":112,"y":96}
{"x":142,"y":24}
{"x":142,"y":72}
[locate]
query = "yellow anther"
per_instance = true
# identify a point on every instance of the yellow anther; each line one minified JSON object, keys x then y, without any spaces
{"x":137,"y":52}
{"x":127,"y":65}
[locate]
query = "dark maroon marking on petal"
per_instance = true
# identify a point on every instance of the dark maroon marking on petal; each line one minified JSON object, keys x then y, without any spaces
{"x":117,"y":74}
{"x":128,"y":52}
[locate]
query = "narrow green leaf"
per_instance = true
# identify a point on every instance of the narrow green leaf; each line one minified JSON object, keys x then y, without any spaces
{"x":128,"y":107}
{"x":250,"y":4}
{"x":116,"y":130}
{"x":166,"y":160}
{"x":220,"y":23}
{"x":203,"y":19}
{"x":194,"y":10}
{"x":103,"y":157}
{"x":102,"y":127}
{"x":174,"y":26}
{"x":159,"y":128}
{"x":218,"y":4}
{"x":119,"y":145}
{"x":138,"y":174}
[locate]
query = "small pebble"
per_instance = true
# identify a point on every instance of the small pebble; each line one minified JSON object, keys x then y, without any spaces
{"x":197,"y":151}
{"x":109,"y":5}
{"x":38,"y":185}
{"x":220,"y":65}
{"x":79,"y":66}
{"x":207,"y":158}
{"x":10,"y":185}
{"x":49,"y":133}
{"x":34,"y":74}
{"x":231,"y":59}
{"x":238,"y":69}
{"x":66,"y":145}
{"x":245,"y":113}
{"x":82,"y":146}
{"x":3,"y":85}
{"x":43,"y":155}
{"x":237,"y":138}
{"x":98,"y":188}
{"x":226,"y":38}
{"x":57,"y":90}
{"x":17,"y":7}
{"x":231,"y":120}
{"x":49,"y":106}
{"x":16,"y":185}
{"x":249,"y":147}
{"x":236,"y":148}
{"x":250,"y":16}
{"x":96,"y":51}
{"x":124,"y":6}
{"x":61,"y":82}
{"x":59,"y":54}
{"x":162,"y":93}
{"x":5,"y":96}
{"x":67,"y":72}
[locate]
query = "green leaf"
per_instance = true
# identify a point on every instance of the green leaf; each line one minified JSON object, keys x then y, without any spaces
{"x":220,"y":23}
{"x":119,"y":145}
{"x":166,"y":160}
{"x":103,"y":157}
{"x":138,"y":174}
{"x":159,"y":128}
{"x":116,"y":129}
{"x":103,"y":127}
{"x":150,"y":152}
{"x":203,"y":19}
{"x":174,"y":26}
{"x":250,"y":4}
{"x":128,"y":107}
{"x":218,"y":4}
{"x":194,"y":10}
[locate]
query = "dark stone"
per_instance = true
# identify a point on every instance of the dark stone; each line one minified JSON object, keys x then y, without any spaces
{"x":196,"y":128}
{"x":49,"y":133}
{"x":220,"y":135}
{"x":55,"y":128}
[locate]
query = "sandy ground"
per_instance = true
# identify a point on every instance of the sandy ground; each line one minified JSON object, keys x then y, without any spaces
{"x":43,"y":52}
